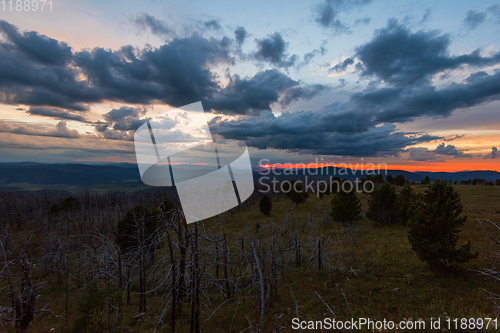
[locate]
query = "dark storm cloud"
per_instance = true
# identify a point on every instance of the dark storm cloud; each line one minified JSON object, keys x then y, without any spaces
{"x":273,"y":50}
{"x":56,"y":113}
{"x":333,"y":130}
{"x":156,"y":26}
{"x":240,"y":34}
{"x":405,"y":104}
{"x":176,"y":73}
{"x":179,"y":72}
{"x":398,"y":56}
{"x":328,"y":12}
{"x":39,"y":48}
{"x":38,"y":73}
{"x":256,"y":94}
{"x":65,"y":97}
{"x":474,"y":19}
{"x":366,"y":116}
{"x":318,"y":133}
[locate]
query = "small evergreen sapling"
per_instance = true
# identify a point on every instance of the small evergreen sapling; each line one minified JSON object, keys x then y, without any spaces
{"x":382,"y":205}
{"x":346,"y":207}
{"x":406,"y":198}
{"x":434,"y":226}
{"x":297,"y":194}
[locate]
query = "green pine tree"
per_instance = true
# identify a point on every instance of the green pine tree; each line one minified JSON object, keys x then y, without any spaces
{"x":346,"y":207}
{"x":406,"y":198}
{"x":297,"y":194}
{"x":434,"y":226}
{"x":382,"y":205}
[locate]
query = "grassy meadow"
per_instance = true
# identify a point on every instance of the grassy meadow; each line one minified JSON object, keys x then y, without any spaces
{"x":366,"y":271}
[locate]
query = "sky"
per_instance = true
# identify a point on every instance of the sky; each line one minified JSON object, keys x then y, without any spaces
{"x":412,"y":84}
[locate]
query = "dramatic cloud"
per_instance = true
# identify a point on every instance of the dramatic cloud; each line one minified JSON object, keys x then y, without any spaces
{"x":121,"y":123}
{"x":156,"y":26}
{"x":273,"y":50}
{"x":176,"y":73}
{"x":407,"y":103}
{"x":256,"y":94}
{"x":56,"y":113}
{"x":474,"y":19}
{"x":366,"y":114}
{"x":362,"y":126}
{"x":400,"y":57}
{"x":42,"y":49}
{"x":328,"y":12}
{"x":184,"y":70}
{"x":333,"y":130}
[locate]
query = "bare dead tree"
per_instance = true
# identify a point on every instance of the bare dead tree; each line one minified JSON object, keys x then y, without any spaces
{"x":262,"y":288}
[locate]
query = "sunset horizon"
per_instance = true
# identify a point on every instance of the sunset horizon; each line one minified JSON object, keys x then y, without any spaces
{"x":356,"y":81}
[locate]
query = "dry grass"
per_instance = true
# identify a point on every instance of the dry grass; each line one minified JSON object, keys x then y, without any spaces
{"x":380,"y":276}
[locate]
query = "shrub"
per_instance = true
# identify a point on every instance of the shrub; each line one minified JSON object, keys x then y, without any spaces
{"x":91,"y":309}
{"x":434,"y":226}
{"x":427,"y":180}
{"x":55,"y":209}
{"x":378,"y":179}
{"x":346,"y":207}
{"x":382,"y":205}
{"x":400,"y":180}
{"x":70,"y":203}
{"x":297,"y":194}
{"x":406,"y":198}
{"x":265,"y":205}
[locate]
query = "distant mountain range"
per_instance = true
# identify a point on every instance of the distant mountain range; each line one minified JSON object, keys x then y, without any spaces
{"x":41,"y":176}
{"x":417,"y":176}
